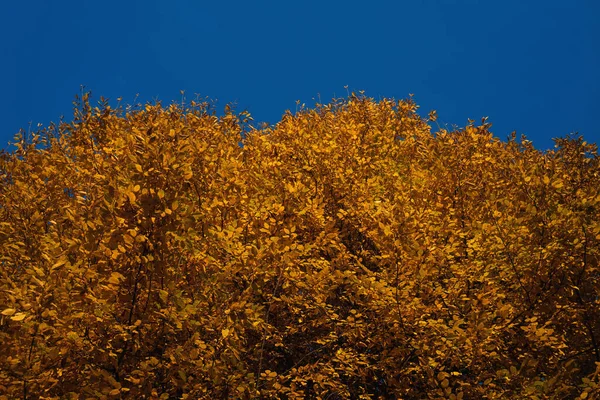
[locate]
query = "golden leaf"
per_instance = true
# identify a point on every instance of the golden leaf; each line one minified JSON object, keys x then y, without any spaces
{"x":115,"y":278}
{"x":60,"y":262}
{"x":164,"y":295}
{"x":18,"y":317}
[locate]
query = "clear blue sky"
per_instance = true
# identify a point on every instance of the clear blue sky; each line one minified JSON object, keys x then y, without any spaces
{"x":531,"y":66}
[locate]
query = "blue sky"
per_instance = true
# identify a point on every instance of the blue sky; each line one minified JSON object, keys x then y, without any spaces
{"x":531,"y":66}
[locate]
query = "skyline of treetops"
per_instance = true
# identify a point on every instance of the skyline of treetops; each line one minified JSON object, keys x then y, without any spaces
{"x":351,"y":250}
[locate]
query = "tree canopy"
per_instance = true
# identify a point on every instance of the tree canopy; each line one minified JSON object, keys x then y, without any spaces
{"x":346,"y":252}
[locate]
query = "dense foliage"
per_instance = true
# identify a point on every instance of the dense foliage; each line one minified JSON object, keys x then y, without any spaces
{"x":346,"y":252}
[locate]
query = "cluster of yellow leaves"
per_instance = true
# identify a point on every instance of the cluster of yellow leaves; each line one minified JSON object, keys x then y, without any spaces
{"x":346,"y":252}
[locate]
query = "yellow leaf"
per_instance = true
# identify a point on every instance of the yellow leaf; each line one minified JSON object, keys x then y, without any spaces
{"x":161,"y":193}
{"x":9,"y":311}
{"x":131,"y":196}
{"x":225,"y":333}
{"x":138,"y":167}
{"x":175,"y":205}
{"x":60,"y":262}
{"x":18,"y":317}
{"x":164,"y":295}
{"x":115,"y":278}
{"x":136,"y":188}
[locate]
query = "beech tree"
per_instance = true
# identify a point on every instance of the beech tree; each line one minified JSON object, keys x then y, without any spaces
{"x":347,"y":252}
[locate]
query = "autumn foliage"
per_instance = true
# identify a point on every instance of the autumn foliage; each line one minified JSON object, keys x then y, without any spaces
{"x":346,"y":252}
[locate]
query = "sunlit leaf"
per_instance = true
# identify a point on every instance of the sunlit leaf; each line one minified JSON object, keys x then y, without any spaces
{"x":18,"y":317}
